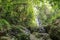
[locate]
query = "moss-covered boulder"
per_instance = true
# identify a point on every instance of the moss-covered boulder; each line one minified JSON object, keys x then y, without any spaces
{"x":55,"y":33}
{"x":55,"y":30}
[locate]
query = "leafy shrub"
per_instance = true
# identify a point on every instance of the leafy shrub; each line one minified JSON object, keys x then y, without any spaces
{"x":4,"y":25}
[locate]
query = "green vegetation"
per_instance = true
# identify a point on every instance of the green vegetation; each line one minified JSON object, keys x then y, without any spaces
{"x":20,"y":19}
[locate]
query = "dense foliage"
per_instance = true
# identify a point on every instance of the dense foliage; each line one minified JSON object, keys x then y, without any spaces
{"x":18,"y":19}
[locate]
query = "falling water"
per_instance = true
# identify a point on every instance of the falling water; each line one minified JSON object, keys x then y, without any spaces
{"x":38,"y":21}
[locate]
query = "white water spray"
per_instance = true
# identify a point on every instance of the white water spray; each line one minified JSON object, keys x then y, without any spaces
{"x":38,"y":21}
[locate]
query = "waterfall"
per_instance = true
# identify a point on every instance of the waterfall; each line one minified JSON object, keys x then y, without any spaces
{"x":38,"y":21}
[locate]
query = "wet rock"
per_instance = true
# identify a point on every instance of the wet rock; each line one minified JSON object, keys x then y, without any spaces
{"x":42,"y":30}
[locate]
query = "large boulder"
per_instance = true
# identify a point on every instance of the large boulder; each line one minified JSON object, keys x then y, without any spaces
{"x":55,"y":30}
